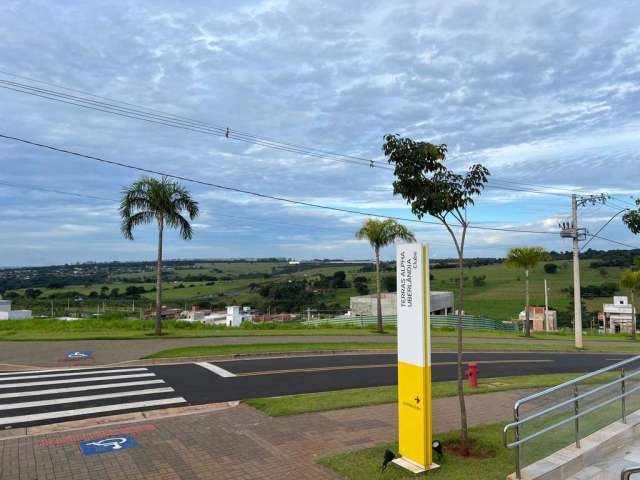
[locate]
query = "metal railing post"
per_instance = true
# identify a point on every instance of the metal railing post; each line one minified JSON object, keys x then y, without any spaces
{"x":576,"y":411}
{"x":627,"y":472}
{"x":516,"y":417}
{"x":624,"y":398}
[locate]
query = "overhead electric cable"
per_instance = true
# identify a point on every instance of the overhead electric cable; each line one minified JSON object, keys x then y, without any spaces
{"x":159,"y":117}
{"x":595,"y":235}
{"x":258,"y":194}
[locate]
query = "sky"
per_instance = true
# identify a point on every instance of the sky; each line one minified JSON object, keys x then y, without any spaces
{"x":541,"y":93}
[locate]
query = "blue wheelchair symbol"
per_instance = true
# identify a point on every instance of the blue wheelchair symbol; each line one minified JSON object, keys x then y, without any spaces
{"x":107,"y":445}
{"x":78,"y":355}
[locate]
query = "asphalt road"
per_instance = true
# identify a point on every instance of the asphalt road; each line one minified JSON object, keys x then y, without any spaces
{"x":268,"y":377}
{"x":51,"y":396}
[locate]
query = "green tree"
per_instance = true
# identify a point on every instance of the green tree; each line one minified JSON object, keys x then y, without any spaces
{"x":632,"y":219}
{"x":32,"y":293}
{"x":631,"y":280}
{"x":164,"y":202}
{"x":430,"y":188}
{"x":526,"y":258}
{"x":381,"y":233}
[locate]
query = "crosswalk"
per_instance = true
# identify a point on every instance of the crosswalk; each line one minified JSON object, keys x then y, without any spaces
{"x":50,"y":396}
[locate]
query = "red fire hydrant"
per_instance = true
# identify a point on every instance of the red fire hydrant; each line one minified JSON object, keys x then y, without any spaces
{"x":472,"y":375}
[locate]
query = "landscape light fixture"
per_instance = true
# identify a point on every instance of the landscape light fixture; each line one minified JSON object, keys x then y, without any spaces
{"x":388,"y":457}
{"x":437,"y":447}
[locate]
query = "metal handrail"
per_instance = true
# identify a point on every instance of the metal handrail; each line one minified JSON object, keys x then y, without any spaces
{"x":627,"y":472}
{"x":575,"y":400}
{"x":571,"y":400}
{"x":584,"y":377}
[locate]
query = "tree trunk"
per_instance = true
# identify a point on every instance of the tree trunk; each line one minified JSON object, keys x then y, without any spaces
{"x":463,"y":408}
{"x":379,"y":300}
{"x":527,"y":324}
{"x":158,"y":330}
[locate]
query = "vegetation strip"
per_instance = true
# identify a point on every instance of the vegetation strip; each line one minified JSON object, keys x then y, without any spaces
{"x":205,"y":350}
{"x":360,"y":397}
{"x":489,"y":462}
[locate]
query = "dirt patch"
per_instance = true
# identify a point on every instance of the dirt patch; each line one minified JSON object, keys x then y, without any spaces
{"x":469,"y":451}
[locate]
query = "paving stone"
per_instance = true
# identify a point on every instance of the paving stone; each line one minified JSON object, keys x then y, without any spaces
{"x":235,"y":444}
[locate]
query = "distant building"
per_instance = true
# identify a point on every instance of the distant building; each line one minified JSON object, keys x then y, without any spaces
{"x":196,"y":314}
{"x":7,"y":314}
{"x":441,"y":304}
{"x":539,"y":321}
{"x":616,"y":317}
{"x":232,"y":317}
{"x":165,"y":312}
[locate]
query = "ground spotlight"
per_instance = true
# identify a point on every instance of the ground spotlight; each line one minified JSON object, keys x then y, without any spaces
{"x":436,"y":445}
{"x":388,"y":456}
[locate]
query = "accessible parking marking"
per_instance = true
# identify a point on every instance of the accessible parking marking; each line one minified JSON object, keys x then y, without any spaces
{"x":107,"y":445}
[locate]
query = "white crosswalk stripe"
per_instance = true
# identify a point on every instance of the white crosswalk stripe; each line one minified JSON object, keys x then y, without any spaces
{"x":85,"y":392}
{"x":72,"y":374}
{"x":72,"y":380}
{"x":83,"y":388}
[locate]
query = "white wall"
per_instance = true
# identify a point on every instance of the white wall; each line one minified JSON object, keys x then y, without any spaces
{"x":16,"y":315}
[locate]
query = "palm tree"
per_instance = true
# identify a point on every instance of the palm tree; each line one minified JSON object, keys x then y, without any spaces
{"x":631,"y":280}
{"x":163,"y":201}
{"x":381,"y":233}
{"x":526,"y":258}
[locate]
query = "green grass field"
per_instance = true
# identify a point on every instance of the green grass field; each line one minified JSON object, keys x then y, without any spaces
{"x":500,"y":298}
{"x":360,"y":397}
{"x":210,"y":350}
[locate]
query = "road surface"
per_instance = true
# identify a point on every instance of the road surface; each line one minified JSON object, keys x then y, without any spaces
{"x":51,"y":396}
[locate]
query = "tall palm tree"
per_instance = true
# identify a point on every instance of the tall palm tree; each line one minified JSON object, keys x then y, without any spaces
{"x":631,"y":280}
{"x":526,"y":258}
{"x":162,"y":201}
{"x":381,"y":233}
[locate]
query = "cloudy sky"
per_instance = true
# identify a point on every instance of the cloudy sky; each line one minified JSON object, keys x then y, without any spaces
{"x":542,"y":93}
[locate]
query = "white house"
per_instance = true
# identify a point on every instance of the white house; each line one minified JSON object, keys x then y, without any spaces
{"x":617,"y":316}
{"x":233,"y":317}
{"x":7,"y":314}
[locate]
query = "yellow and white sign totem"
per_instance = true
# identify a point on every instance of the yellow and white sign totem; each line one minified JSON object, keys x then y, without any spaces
{"x":414,"y":358}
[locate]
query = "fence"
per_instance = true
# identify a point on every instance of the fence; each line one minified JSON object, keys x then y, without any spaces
{"x":557,"y":417}
{"x":469,"y":322}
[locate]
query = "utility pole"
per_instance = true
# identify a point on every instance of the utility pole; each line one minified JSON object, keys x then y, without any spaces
{"x":577,"y":302}
{"x":546,"y":306}
{"x":571,"y":230}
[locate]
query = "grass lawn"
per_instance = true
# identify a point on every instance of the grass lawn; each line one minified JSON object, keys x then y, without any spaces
{"x":118,"y":327}
{"x":364,"y":464}
{"x":542,"y":347}
{"x":206,"y":350}
{"x":359,"y":397}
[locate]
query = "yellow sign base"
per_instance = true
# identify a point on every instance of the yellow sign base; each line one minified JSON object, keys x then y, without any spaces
{"x":412,"y":466}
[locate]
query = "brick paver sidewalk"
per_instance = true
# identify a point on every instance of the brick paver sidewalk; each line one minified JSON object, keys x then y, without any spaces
{"x":232,"y":444}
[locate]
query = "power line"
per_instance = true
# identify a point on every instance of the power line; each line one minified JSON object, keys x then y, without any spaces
{"x":602,"y":228}
{"x":258,"y":194}
{"x":218,"y":214}
{"x":176,"y":122}
{"x":635,"y":247}
{"x":155,"y":116}
{"x":51,"y":190}
{"x":367,"y":160}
